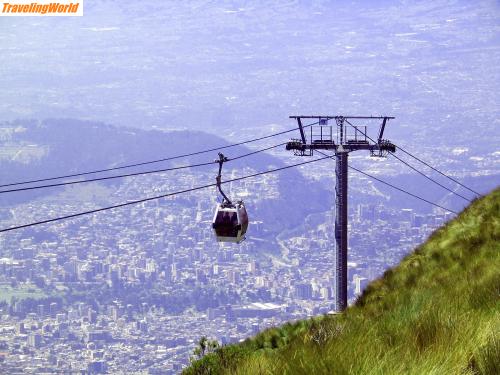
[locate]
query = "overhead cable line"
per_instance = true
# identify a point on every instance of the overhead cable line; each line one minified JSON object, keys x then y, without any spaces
{"x":134,"y":174}
{"x":413,"y":168}
{"x":438,"y":171}
{"x":402,"y":190}
{"x":154,"y":161}
{"x":427,"y":177}
{"x":157,"y":197}
{"x":395,"y":187}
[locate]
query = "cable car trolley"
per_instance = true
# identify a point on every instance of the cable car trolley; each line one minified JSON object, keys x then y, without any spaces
{"x":230,"y":221}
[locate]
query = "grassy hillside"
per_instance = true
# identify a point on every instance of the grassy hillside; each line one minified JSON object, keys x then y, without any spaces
{"x":437,"y":312}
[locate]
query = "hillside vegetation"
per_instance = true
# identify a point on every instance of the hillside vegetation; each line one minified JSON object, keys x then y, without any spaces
{"x":437,"y":312}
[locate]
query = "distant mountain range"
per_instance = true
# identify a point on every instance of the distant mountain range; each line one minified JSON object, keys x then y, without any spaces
{"x":72,"y":146}
{"x":32,"y":149}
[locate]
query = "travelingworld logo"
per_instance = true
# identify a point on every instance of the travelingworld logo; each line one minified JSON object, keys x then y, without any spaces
{"x":42,"y":8}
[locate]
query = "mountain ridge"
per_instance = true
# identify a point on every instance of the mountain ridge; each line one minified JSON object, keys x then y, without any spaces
{"x":76,"y":146}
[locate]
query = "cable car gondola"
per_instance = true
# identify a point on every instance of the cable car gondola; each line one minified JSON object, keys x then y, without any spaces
{"x":230,"y":220}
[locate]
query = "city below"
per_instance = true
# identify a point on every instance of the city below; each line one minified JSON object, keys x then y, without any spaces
{"x":100,"y":296}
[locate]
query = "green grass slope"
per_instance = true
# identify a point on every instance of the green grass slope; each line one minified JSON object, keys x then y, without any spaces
{"x":437,"y":312}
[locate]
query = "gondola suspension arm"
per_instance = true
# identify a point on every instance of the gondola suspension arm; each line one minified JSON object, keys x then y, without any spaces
{"x":221,"y":160}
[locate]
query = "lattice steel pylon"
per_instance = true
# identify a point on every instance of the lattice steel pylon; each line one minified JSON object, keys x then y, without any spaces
{"x":348,"y":138}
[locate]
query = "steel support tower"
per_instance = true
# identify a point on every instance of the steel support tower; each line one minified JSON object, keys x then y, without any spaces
{"x":346,"y":138}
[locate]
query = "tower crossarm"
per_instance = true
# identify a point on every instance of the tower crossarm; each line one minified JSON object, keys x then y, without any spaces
{"x":383,"y":147}
{"x":349,"y":137}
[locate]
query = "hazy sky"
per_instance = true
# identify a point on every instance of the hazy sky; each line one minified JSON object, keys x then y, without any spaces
{"x":233,"y":64}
